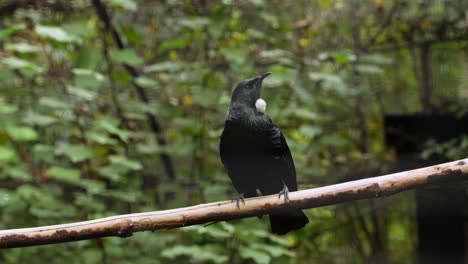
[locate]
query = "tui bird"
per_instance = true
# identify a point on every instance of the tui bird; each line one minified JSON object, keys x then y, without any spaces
{"x":256,"y":155}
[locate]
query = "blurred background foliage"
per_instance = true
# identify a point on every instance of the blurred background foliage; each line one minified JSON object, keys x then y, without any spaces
{"x":90,"y":127}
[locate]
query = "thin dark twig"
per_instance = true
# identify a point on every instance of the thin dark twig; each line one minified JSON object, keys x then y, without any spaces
{"x":152,"y":119}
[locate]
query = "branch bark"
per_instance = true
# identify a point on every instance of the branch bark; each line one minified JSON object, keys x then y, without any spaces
{"x":126,"y":225}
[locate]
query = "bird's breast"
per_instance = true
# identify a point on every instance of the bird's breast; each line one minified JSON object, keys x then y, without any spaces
{"x":245,"y":143}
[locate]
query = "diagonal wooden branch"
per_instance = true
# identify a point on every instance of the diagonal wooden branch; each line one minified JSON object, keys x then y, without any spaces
{"x":126,"y":225}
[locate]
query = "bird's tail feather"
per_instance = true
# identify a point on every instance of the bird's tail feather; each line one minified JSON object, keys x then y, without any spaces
{"x":287,"y":220}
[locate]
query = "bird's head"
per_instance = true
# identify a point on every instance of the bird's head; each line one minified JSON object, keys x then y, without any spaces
{"x":248,"y":91}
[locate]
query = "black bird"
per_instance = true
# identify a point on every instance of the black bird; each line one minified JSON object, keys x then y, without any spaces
{"x":256,"y":155}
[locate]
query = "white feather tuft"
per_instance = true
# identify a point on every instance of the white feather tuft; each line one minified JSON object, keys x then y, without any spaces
{"x":260,"y":104}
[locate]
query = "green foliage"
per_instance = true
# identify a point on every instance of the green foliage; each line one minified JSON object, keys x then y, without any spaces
{"x":75,"y":142}
{"x":54,"y":33}
{"x":452,"y":149}
{"x":21,"y":133}
{"x":78,"y":153}
{"x":20,"y":64}
{"x":126,"y":56}
{"x":125,"y":4}
{"x":64,"y":174}
{"x":6,"y":154}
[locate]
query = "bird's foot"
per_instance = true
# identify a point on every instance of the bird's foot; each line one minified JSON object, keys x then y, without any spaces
{"x":284,"y":192}
{"x":238,"y":199}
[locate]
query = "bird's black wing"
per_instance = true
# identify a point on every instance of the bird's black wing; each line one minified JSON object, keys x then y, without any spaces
{"x":278,"y":165}
{"x":238,"y":165}
{"x":224,"y":147}
{"x":282,"y":154}
{"x":282,"y":169}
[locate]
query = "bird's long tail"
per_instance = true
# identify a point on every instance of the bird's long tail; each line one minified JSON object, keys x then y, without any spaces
{"x":287,"y":220}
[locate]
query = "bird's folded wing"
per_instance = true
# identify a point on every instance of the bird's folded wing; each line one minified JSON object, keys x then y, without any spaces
{"x":282,"y":154}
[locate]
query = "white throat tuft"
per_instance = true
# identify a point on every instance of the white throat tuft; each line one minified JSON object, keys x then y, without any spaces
{"x":260,"y":104}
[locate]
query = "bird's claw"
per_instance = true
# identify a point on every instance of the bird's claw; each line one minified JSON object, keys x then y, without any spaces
{"x":238,"y":199}
{"x":285,"y":192}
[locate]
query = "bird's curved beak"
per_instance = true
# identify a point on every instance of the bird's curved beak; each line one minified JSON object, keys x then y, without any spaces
{"x":263,"y":76}
{"x":257,"y":80}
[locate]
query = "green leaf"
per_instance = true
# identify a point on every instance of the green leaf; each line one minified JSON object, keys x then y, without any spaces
{"x":82,"y":93}
{"x":29,"y":192}
{"x":5,"y":198}
{"x":281,"y":75}
{"x":21,"y":133}
{"x":329,"y":81}
{"x":175,"y":43}
{"x":113,"y":172}
{"x":343,"y":57}
{"x":7,"y":154}
{"x":146,"y":82}
{"x":280,"y":240}
{"x":309,"y":130}
{"x":79,"y":71}
{"x":79,"y":28}
{"x":18,"y":173}
{"x":64,"y":174}
{"x":53,"y":103}
{"x":77,"y":153}
{"x":180,"y":250}
{"x":332,"y":140}
{"x":194,"y":22}
{"x":100,"y":138}
{"x":237,"y":58}
{"x":110,"y":125}
{"x":17,"y":63}
{"x":370,"y":69}
{"x":272,"y":19}
{"x":164,"y":66}
{"x":22,"y":47}
{"x":148,"y":148}
{"x":125,"y":4}
{"x":198,"y":253}
{"x":55,"y":33}
{"x":33,"y":118}
{"x":273,"y":54}
{"x":122,"y":77}
{"x":6,"y":108}
{"x":258,"y":256}
{"x":92,"y":256}
{"x":91,"y":186}
{"x":132,"y":33}
{"x":43,"y":152}
{"x":274,"y":251}
{"x":7,"y":77}
{"x":213,"y":231}
{"x":188,"y":125}
{"x":125,"y":196}
{"x":127,"y":56}
{"x":305,"y":114}
{"x":125,"y":162}
{"x":88,"y":58}
{"x":87,"y":78}
{"x":10,"y":30}
{"x":377,"y":59}
{"x":204,"y":97}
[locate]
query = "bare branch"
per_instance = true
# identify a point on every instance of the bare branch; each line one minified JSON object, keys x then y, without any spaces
{"x":126,"y":225}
